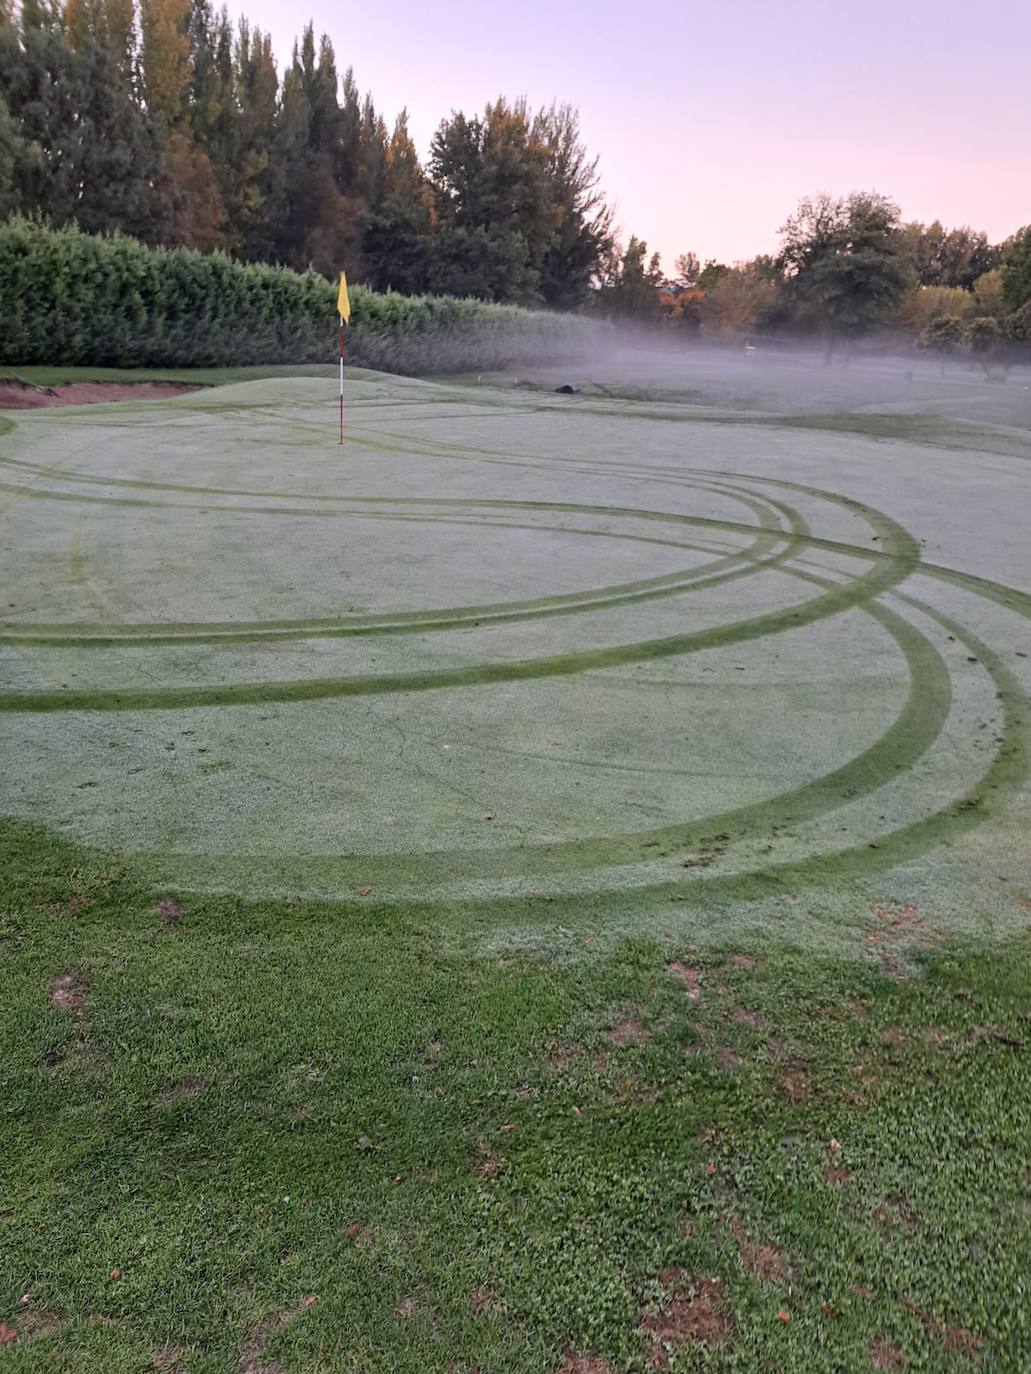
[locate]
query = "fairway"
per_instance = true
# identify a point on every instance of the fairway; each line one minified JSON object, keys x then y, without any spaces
{"x":542,"y":888}
{"x":506,"y":643}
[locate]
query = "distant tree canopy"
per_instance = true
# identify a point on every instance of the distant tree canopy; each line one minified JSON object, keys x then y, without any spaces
{"x":631,"y":283}
{"x":160,"y":119}
{"x":948,"y":257}
{"x":1016,"y":269}
{"x":844,"y":260}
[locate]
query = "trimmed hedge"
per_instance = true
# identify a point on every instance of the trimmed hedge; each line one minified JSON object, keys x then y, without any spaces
{"x":86,"y":300}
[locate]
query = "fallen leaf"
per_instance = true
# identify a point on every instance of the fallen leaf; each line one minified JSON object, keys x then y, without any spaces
{"x":783,"y":1316}
{"x":364,"y":891}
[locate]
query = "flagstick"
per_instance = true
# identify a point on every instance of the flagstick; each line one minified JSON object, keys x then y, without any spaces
{"x":341,"y":379}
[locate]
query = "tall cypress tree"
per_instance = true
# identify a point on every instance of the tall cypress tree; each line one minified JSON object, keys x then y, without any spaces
{"x":396,"y":240}
{"x":257,"y":180}
{"x":115,"y":150}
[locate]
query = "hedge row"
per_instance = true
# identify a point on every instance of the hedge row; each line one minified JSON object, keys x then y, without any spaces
{"x":80,"y":299}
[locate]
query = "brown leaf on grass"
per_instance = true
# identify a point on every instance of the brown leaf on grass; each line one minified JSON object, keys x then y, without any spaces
{"x":690,"y":977}
{"x":885,"y":1356}
{"x":694,"y":1311}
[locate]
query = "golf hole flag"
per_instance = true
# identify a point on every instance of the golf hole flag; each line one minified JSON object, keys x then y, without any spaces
{"x":344,"y":311}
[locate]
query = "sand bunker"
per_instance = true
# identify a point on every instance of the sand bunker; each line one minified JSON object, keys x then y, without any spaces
{"x":15,"y":395}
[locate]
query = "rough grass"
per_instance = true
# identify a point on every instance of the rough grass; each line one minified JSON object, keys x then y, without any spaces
{"x":295,"y":1136}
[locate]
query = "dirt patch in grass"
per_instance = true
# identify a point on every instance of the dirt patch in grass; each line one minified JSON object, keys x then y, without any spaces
{"x":362,"y":1236}
{"x":794,"y":1083}
{"x":15,"y":395}
{"x":690,"y":977}
{"x":561,"y":1055}
{"x":695,"y":1311}
{"x":886,"y":1356}
{"x":744,"y":961}
{"x":250,"y":1359}
{"x":631,"y":1091}
{"x":170,"y":1360}
{"x":584,"y":1364}
{"x":761,"y":1259}
{"x":744,"y":1017}
{"x":483,"y":1300}
{"x":489,"y":1168}
{"x":68,"y":991}
{"x":956,"y":1338}
{"x":893,"y":1214}
{"x":628,"y":1031}
{"x":30,"y":1322}
{"x":834,"y":1174}
{"x":187,"y":1087}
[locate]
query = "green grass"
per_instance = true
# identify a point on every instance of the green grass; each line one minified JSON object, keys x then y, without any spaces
{"x":249,"y":1105}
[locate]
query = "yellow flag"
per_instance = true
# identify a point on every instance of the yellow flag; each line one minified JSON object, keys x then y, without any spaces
{"x":343,"y":301}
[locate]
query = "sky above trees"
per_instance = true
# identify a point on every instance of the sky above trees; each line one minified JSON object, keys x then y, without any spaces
{"x":710,"y":119}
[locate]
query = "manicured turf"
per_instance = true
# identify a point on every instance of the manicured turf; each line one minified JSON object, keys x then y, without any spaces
{"x":474,"y":1160}
{"x":542,"y":890}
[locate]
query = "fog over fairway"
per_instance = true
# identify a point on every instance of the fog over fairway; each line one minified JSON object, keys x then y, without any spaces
{"x":713,"y":629}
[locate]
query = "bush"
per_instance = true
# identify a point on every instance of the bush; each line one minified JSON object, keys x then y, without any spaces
{"x":85,"y":300}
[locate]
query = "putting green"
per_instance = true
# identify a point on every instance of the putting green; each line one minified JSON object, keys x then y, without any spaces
{"x":507,"y":646}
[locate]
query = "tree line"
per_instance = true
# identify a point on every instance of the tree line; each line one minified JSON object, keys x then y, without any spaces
{"x":160,"y":119}
{"x":847,"y":267}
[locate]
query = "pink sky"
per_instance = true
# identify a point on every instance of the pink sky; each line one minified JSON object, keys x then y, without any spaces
{"x":712,"y":120}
